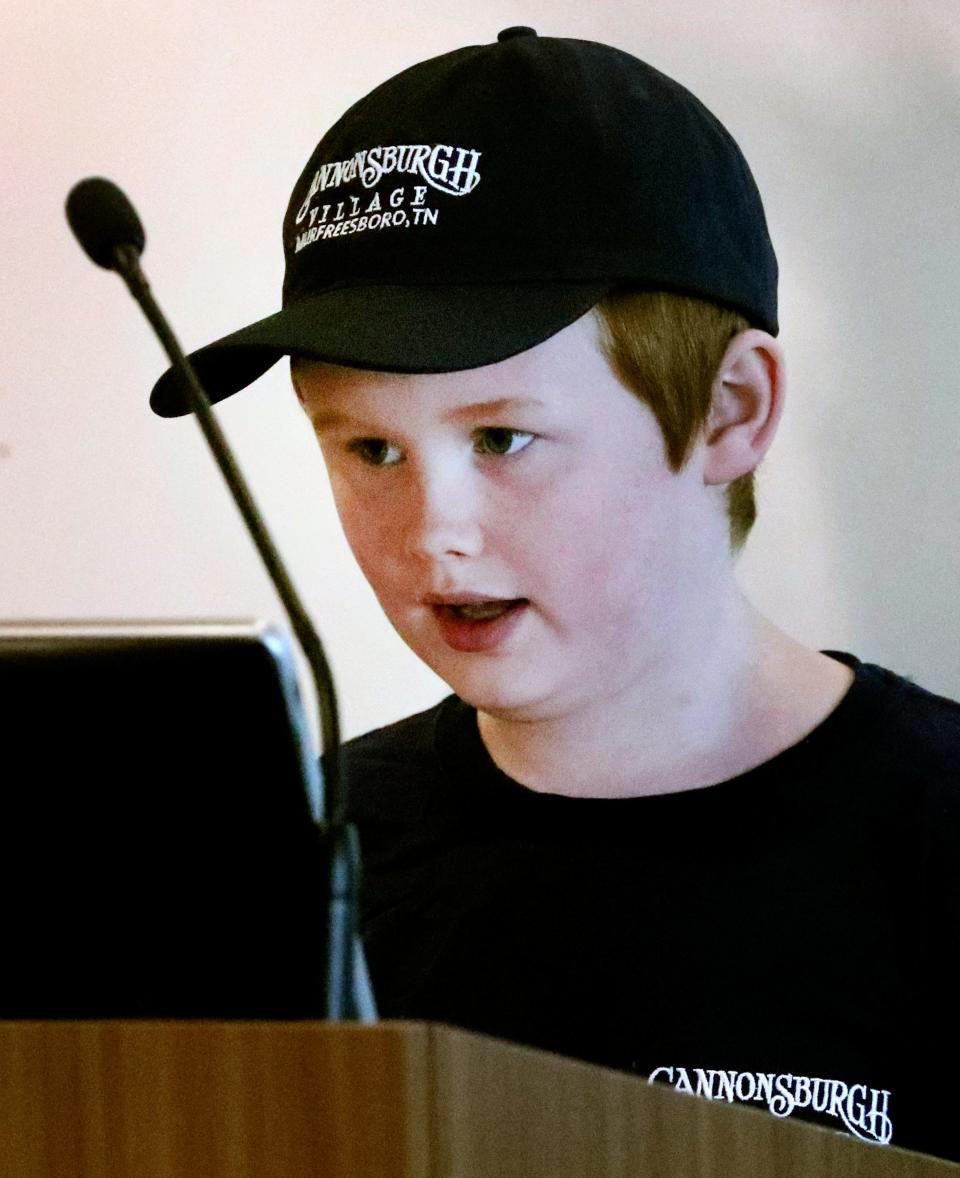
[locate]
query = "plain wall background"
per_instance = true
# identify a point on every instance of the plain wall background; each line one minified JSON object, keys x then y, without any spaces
{"x":205,"y":113}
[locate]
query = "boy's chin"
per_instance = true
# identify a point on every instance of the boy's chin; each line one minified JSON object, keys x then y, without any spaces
{"x":504,"y":689}
{"x":506,"y":701}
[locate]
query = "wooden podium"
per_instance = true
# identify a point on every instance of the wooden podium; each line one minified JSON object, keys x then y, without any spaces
{"x":292,"y":1100}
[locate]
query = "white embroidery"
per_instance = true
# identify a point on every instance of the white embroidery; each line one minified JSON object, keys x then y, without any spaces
{"x":452,"y":170}
{"x":865,"y":1111}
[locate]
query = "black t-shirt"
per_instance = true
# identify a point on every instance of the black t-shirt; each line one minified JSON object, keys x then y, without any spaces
{"x":785,"y":938}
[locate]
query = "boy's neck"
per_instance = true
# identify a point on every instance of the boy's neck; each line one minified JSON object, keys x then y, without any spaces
{"x":754,"y":694}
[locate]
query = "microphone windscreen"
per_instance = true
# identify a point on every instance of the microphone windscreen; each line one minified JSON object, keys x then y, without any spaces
{"x":102,"y":218}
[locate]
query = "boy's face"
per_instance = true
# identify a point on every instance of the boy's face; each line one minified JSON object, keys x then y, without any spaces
{"x":538,"y":485}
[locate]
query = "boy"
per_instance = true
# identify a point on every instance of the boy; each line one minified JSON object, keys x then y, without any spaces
{"x":531,"y":304}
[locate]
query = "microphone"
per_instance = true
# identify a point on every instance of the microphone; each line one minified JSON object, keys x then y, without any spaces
{"x":109,"y":231}
{"x":104,"y":222}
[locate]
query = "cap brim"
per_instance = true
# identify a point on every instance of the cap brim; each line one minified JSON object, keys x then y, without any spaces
{"x":388,"y":329}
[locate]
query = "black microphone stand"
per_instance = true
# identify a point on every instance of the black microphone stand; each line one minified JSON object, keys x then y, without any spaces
{"x":349,"y":994}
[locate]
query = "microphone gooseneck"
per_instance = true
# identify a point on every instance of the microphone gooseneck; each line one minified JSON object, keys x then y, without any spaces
{"x":108,"y":229}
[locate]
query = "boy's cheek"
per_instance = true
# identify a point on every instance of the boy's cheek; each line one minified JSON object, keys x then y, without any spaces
{"x":374,"y":548}
{"x":364,"y":541}
{"x":363,"y":525}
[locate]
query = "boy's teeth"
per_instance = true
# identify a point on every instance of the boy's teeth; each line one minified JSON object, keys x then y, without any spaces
{"x":482,"y":610}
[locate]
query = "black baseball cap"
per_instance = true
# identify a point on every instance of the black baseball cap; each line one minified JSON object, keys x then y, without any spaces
{"x":479,"y":202}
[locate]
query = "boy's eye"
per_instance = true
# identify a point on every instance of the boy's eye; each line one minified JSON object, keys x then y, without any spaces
{"x":499,"y":440}
{"x":375,"y":451}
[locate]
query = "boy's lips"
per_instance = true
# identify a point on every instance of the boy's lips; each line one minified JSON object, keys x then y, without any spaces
{"x":475,"y":621}
{"x":466,"y":598}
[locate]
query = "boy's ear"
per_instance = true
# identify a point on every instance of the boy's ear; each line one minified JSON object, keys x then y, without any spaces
{"x":747,"y":399}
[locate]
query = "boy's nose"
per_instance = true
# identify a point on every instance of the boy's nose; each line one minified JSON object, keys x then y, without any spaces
{"x":445,"y":518}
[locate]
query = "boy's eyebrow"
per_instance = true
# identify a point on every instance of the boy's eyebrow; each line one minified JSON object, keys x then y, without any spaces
{"x":499,"y":405}
{"x":326,"y":419}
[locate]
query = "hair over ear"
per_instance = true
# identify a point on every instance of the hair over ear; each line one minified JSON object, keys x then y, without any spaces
{"x":667,"y":348}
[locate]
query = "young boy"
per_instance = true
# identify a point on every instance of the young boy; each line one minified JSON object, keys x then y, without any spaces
{"x":531,"y":304}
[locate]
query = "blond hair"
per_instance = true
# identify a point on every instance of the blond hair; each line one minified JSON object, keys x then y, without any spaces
{"x":667,"y":348}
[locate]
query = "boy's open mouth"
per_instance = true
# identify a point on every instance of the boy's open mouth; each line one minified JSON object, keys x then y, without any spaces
{"x":478,"y":625}
{"x":482,"y":611}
